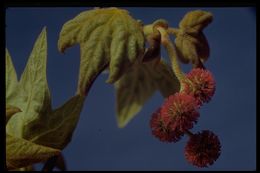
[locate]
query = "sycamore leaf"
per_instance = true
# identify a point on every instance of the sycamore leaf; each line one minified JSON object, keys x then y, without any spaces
{"x":107,"y":37}
{"x":196,"y":21}
{"x":10,"y":111}
{"x":191,"y":43}
{"x":192,"y":49}
{"x":10,"y":78}
{"x":33,"y":95}
{"x":139,"y":84}
{"x":37,"y":122}
{"x":22,"y":153}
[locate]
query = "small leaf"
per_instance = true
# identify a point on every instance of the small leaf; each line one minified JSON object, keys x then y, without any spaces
{"x":191,"y":43}
{"x":10,"y":78}
{"x":192,"y":49}
{"x":138,"y":85}
{"x":22,"y":153}
{"x":10,"y":111}
{"x":107,"y":36}
{"x":196,"y":21}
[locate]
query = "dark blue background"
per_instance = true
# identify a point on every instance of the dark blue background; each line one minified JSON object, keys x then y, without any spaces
{"x":98,"y":144}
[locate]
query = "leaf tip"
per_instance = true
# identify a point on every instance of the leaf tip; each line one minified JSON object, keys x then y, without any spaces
{"x":10,"y":111}
{"x":61,"y":48}
{"x":109,"y":81}
{"x":13,"y":108}
{"x":113,"y":77}
{"x":44,"y":29}
{"x":121,"y":124}
{"x":44,"y":32}
{"x":6,"y":51}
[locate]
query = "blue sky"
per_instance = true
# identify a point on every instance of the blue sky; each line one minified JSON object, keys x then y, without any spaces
{"x":98,"y":144}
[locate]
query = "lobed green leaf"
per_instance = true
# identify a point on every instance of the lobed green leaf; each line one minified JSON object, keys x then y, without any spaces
{"x":32,"y":96}
{"x":196,"y":21}
{"x":38,"y":122}
{"x":191,"y":43}
{"x":107,"y":37}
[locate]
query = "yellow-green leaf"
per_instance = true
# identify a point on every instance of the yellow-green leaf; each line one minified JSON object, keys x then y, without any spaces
{"x":10,"y":111}
{"x":22,"y":153}
{"x":10,"y":78}
{"x":107,"y":37}
{"x":32,"y":95}
{"x":196,"y":21}
{"x":192,"y":49}
{"x":191,"y":43}
{"x":139,"y":84}
{"x":38,"y":122}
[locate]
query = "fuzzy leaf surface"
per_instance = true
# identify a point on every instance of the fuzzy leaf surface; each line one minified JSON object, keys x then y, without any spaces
{"x":38,"y":122}
{"x":196,"y":21}
{"x":32,"y":96}
{"x":191,"y":43}
{"x":107,"y":37}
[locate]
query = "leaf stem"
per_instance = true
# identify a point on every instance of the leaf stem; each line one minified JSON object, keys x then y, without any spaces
{"x":198,"y":64}
{"x":83,"y":90}
{"x":171,"y":50}
{"x":173,"y":31}
{"x":148,"y":29}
